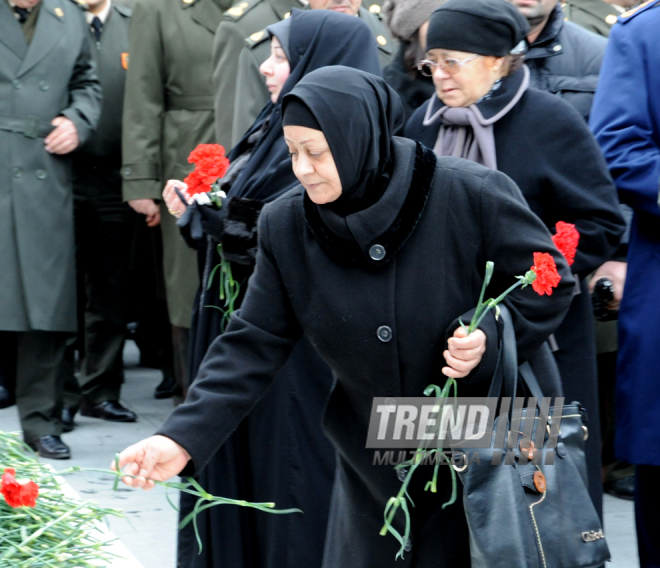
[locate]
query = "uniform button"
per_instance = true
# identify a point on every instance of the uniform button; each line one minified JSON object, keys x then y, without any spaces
{"x":401,"y":474}
{"x":17,"y":172}
{"x":384,"y":333}
{"x":41,"y":174}
{"x":377,"y":252}
{"x":408,"y":546}
{"x":17,"y":84}
{"x":44,"y":86}
{"x":556,"y":48}
{"x":127,"y":171}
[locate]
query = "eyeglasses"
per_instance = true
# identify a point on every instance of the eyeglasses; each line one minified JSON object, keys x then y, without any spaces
{"x":451,"y":66}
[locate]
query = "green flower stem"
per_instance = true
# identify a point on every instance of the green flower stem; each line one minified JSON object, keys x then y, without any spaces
{"x":399,"y":501}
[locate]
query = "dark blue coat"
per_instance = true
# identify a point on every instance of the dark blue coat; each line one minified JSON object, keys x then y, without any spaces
{"x":626,"y":121}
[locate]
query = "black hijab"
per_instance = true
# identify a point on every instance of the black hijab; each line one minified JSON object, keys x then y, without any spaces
{"x":316,"y":38}
{"x":359,"y":114}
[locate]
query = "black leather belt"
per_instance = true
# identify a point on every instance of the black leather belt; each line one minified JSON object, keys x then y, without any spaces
{"x":30,"y":127}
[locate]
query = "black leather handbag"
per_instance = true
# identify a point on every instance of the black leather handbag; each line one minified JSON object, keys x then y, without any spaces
{"x":523,"y":513}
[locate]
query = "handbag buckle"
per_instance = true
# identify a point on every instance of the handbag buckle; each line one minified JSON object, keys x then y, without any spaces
{"x":591,"y":536}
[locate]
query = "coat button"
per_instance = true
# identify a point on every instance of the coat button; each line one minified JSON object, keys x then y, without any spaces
{"x":408,"y":546}
{"x":17,"y":84}
{"x":17,"y":172}
{"x":44,"y":86}
{"x":384,"y":333}
{"x":377,"y":252}
{"x":401,"y":474}
{"x":556,"y":48}
{"x":41,"y":174}
{"x":127,"y":171}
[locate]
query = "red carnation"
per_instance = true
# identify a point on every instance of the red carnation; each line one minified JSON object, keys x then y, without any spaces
{"x":547,"y":276}
{"x":18,"y":494}
{"x":566,"y":240}
{"x":210,"y":165}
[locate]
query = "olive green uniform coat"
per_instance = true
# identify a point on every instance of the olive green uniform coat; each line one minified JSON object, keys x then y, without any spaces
{"x":247,"y":19}
{"x":251,"y":92}
{"x":51,"y":76}
{"x":597,"y":16}
{"x":168,"y":111}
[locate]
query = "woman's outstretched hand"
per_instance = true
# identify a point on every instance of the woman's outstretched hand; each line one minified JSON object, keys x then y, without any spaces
{"x":464,"y":352}
{"x":172,"y":200}
{"x":156,"y":458}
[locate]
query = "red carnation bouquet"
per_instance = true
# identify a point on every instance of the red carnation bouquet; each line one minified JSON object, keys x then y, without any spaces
{"x":18,"y":494}
{"x":543,"y":278}
{"x":566,"y":240}
{"x":210,"y":165}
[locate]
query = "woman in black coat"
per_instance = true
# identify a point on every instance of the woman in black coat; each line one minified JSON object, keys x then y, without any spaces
{"x":485,"y":111}
{"x":279,"y":452}
{"x":372,"y":258}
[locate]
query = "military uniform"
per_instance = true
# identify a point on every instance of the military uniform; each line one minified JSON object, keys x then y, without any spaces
{"x":49,"y":76}
{"x":168,"y":111}
{"x":243,"y":20}
{"x":597,"y":16}
{"x":102,"y":220}
{"x":251,"y":91}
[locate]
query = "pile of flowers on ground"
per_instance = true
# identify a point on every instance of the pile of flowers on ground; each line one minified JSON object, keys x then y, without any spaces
{"x":39,"y":525}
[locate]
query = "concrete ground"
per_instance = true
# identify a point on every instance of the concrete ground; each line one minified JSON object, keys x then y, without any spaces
{"x":149,"y":527}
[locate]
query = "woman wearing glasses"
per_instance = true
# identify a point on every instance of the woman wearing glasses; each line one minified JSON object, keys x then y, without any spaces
{"x":484,"y":110}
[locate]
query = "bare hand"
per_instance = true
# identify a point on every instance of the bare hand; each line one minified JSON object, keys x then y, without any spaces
{"x":153,"y":459}
{"x":64,"y":138}
{"x":464,"y":352}
{"x":616,"y":272}
{"x":147,"y":207}
{"x":174,"y":204}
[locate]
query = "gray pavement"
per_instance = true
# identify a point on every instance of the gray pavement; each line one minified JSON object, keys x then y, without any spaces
{"x":149,"y":527}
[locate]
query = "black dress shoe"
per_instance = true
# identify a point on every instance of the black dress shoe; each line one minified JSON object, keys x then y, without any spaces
{"x":167,"y":388}
{"x":68,"y":414}
{"x":51,"y":447}
{"x":621,"y":488}
{"x":111,"y":411}
{"x":6,"y":399}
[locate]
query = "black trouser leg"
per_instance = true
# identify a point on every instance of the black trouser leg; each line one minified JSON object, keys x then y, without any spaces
{"x":180,"y":339}
{"x":102,"y":223}
{"x":40,"y":377}
{"x":647,"y":514}
{"x":8,"y":361}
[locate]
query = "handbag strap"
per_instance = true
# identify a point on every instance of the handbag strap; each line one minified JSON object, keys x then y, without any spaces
{"x":507,"y":371}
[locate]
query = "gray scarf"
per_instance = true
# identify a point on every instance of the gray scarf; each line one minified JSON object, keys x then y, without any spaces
{"x":465,"y":133}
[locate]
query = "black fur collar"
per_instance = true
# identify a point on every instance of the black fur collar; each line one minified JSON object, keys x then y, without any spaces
{"x":349,"y":251}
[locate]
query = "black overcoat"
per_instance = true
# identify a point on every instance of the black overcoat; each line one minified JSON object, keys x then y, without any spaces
{"x":439,"y":222}
{"x":545,"y":147}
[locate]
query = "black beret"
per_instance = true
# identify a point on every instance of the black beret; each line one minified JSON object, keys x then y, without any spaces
{"x":486,"y":27}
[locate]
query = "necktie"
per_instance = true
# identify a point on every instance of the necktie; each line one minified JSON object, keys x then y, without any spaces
{"x":23,"y":14}
{"x":97,"y":25}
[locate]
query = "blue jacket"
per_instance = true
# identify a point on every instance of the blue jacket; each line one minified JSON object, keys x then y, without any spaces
{"x":626,"y":121}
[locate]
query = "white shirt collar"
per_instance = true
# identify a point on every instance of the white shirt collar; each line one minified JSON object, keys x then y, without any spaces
{"x":103,"y":15}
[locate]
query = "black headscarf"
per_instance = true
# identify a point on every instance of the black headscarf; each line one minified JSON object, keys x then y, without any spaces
{"x":358,"y":114}
{"x":317,"y":38}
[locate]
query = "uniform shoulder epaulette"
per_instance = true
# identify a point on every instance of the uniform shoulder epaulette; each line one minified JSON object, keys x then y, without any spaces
{"x":123,"y":10}
{"x":630,"y":14}
{"x":256,"y":38}
{"x":81,"y":5}
{"x":237,"y":11}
